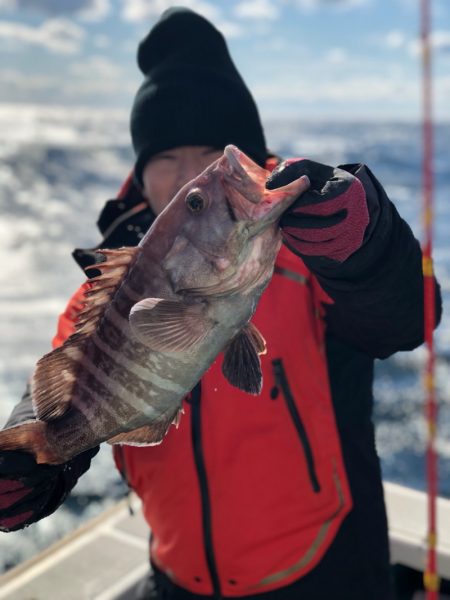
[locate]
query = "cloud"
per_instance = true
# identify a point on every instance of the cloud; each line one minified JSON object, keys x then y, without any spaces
{"x":361,"y":89}
{"x":257,"y":9}
{"x":95,"y":82}
{"x":230,"y":29}
{"x":55,"y":35}
{"x":441,"y":40}
{"x":442,"y":87}
{"x":96,"y":10}
{"x":395,"y":39}
{"x":17,"y":88}
{"x":101,"y":41}
{"x":138,"y":10}
{"x":336,"y":56}
{"x":96,"y":67}
{"x":14,"y":82}
{"x":88,"y":10}
{"x":310,"y":5}
{"x":96,"y":90}
{"x":98,"y":77}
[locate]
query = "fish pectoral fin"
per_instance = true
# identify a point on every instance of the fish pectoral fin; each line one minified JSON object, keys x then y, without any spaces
{"x":148,"y":435}
{"x":169,"y":326}
{"x":241,"y":365}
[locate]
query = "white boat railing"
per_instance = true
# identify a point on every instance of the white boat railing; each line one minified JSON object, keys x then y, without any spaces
{"x":407,"y":515}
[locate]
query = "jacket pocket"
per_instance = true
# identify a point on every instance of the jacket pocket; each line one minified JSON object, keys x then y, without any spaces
{"x":283,"y":383}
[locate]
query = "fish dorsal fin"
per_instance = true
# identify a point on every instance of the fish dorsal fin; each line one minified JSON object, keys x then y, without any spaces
{"x":148,"y":435}
{"x":241,"y":364}
{"x":169,"y":326}
{"x":56,"y":373}
{"x":113,"y":264}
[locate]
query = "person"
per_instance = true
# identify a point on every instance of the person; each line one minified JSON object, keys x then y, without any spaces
{"x":277,"y":496}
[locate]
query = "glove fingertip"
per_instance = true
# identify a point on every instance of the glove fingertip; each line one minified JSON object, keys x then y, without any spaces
{"x":306,"y":181}
{"x":287,"y":171}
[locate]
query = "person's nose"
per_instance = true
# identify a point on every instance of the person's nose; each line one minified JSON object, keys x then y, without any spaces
{"x":189,"y":169}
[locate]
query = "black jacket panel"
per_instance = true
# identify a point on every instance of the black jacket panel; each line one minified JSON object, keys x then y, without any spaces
{"x":378,"y":290}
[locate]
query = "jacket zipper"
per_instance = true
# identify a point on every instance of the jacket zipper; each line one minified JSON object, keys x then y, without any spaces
{"x":204,"y":491}
{"x":282,"y":381}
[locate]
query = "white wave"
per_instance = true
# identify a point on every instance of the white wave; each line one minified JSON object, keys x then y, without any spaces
{"x":68,"y":126}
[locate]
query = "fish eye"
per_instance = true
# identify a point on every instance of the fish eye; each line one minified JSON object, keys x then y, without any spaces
{"x":195,"y":202}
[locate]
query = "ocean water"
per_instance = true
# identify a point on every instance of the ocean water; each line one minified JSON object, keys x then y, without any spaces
{"x":58,"y":166}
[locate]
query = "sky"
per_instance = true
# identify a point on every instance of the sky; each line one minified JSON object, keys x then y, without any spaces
{"x":348,"y":59}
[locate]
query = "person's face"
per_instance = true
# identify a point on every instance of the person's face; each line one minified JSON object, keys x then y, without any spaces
{"x":167,"y":172}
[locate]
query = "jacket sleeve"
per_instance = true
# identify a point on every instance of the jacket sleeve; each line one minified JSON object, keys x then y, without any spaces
{"x":378,"y":291}
{"x":67,"y":319}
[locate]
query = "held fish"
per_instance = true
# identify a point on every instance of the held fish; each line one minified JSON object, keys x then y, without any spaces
{"x":159,"y":314}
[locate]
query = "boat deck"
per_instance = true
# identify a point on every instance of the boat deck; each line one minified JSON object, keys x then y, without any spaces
{"x":101,"y":560}
{"x":107,"y":556}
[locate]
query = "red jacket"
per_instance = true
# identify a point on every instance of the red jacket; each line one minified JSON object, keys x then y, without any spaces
{"x":235,"y":482}
{"x":250,"y":491}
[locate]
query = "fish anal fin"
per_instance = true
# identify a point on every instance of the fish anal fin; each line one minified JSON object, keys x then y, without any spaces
{"x":241,"y":364}
{"x":144,"y":436}
{"x":148,"y":435}
{"x":169,"y":326}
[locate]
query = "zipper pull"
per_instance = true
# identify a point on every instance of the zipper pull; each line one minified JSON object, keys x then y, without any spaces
{"x":277,"y":370}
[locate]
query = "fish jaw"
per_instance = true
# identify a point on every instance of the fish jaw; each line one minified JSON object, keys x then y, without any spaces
{"x":245,"y":185}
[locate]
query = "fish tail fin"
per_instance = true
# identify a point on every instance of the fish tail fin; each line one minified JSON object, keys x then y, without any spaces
{"x":31,"y":437}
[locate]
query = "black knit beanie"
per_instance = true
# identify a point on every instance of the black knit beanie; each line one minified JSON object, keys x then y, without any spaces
{"x":192,"y":94}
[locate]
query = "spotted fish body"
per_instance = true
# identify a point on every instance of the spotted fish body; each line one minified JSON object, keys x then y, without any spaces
{"x":159,"y":314}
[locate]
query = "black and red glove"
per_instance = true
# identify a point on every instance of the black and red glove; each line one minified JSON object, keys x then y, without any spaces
{"x":330,"y":218}
{"x":30,"y":492}
{"x":24,"y":489}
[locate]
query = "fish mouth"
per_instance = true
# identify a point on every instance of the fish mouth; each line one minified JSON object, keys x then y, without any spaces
{"x":245,"y":172}
{"x":246,"y":194}
{"x":244,"y":182}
